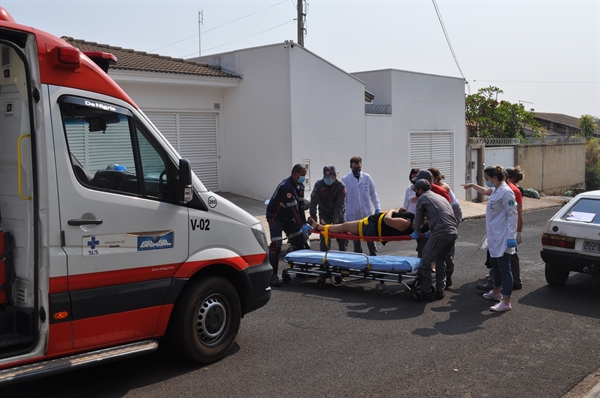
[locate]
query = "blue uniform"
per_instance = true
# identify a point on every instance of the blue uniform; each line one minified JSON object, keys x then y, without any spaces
{"x":285,"y":213}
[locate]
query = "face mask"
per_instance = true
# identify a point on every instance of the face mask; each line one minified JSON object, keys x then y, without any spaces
{"x":489,"y":184}
{"x":356,"y":172}
{"x":328,"y":181}
{"x":417,"y":194}
{"x":301,"y":179}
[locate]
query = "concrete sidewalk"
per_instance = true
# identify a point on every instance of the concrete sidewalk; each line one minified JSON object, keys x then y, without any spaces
{"x":470,"y":210}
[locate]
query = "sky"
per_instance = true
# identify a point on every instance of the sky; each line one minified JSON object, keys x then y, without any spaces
{"x":543,"y":54}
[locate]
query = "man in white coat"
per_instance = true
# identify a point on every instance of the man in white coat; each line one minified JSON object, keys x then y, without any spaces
{"x":360,"y":194}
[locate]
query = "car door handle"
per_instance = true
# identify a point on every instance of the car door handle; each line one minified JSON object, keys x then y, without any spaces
{"x":85,"y":221}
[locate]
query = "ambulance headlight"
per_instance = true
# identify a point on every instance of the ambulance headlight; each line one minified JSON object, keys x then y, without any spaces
{"x":261,"y":236}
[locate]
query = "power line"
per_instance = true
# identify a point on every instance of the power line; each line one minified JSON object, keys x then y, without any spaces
{"x":532,"y":81}
{"x":448,"y":38}
{"x":245,"y":16}
{"x":220,"y":26}
{"x":266,"y":30}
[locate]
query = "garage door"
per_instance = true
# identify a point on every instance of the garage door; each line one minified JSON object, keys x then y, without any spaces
{"x":194,"y":136}
{"x":433,"y":149}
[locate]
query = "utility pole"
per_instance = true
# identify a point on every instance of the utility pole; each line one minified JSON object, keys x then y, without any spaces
{"x":300,"y":23}
{"x":200,"y":23}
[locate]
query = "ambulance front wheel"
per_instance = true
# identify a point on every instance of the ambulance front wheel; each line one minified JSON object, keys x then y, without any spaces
{"x":205,"y":320}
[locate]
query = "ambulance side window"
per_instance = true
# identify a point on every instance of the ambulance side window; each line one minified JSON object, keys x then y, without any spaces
{"x":157,"y":180}
{"x":111,"y":152}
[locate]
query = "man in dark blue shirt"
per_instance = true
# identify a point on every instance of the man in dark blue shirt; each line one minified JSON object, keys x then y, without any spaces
{"x":285,"y":213}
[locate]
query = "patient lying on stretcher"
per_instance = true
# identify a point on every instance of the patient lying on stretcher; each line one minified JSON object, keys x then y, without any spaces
{"x":390,"y":223}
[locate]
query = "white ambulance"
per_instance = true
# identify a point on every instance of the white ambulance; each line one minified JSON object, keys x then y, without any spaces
{"x":108,"y":240}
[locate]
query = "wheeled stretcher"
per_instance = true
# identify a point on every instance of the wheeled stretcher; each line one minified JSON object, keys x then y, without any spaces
{"x":343,"y":268}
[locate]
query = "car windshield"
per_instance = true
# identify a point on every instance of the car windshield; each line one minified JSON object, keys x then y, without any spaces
{"x":585,"y":210}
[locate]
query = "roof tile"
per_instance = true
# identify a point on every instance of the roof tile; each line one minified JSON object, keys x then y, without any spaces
{"x":141,"y":61}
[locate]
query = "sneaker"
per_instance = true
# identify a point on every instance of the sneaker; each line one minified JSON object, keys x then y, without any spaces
{"x":275,"y":281}
{"x":492,"y":296}
{"x":448,"y":282}
{"x":485,"y":286}
{"x":517,"y":286}
{"x":501,"y":306}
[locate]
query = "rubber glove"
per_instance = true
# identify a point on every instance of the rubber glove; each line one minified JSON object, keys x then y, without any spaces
{"x":511,"y":243}
{"x":519,"y":238}
{"x":415,"y":235}
{"x":305,"y":229}
{"x":427,"y":234}
{"x":377,"y":211}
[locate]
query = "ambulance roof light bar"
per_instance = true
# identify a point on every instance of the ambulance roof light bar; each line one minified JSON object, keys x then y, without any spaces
{"x":103,"y":60}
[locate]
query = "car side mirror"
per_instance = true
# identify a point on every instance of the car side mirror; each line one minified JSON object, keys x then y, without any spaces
{"x":185,"y":181}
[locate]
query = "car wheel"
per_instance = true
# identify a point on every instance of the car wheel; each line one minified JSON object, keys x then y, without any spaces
{"x":556,"y":275}
{"x":205,"y":320}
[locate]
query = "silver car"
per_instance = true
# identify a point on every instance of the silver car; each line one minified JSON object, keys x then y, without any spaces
{"x":571,"y":239}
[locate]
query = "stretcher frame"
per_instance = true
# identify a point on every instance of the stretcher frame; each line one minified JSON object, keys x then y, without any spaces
{"x":339,"y":275}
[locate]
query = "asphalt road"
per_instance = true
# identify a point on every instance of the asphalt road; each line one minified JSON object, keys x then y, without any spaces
{"x":372,"y":340}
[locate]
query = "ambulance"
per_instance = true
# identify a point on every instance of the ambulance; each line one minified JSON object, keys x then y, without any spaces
{"x":109,"y":243}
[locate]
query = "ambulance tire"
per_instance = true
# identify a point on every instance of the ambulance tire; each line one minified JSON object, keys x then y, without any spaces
{"x":205,"y":320}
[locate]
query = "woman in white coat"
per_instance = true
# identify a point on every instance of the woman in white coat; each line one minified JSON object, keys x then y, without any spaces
{"x":501,"y":232}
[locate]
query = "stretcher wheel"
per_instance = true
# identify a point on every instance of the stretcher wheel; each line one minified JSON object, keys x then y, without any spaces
{"x":417,"y":296}
{"x":285,"y":276}
{"x":321,"y":282}
{"x":338,"y":279}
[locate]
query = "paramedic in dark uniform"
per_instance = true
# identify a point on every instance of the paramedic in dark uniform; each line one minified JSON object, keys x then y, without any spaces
{"x":443,"y":234}
{"x":329,"y":195}
{"x":285,"y":213}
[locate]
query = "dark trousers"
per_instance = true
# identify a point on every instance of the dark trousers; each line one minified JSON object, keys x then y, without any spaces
{"x":295,"y":236}
{"x":370,"y":245}
{"x":436,"y":249}
{"x":342,"y":243}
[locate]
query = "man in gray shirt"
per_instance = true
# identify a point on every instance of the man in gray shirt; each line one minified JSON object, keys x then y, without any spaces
{"x":443,"y":233}
{"x":329,"y":195}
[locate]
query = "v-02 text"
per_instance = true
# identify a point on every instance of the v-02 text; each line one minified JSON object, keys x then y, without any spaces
{"x":201,"y":224}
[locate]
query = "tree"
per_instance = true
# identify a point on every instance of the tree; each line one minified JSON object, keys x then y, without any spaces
{"x":486,"y":117}
{"x":592,"y":164}
{"x":586,"y":125}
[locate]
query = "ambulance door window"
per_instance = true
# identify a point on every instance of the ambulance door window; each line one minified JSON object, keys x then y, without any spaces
{"x":156,"y":174}
{"x":100,"y":145}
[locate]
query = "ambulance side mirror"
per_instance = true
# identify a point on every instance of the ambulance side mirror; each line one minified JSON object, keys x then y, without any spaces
{"x":185,"y":181}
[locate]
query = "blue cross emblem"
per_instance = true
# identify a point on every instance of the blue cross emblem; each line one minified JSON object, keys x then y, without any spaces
{"x":93,"y":242}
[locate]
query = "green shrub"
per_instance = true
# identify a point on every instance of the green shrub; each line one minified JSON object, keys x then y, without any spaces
{"x":592,"y":164}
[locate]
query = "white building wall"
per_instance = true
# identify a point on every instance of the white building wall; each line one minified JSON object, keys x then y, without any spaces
{"x":257,"y":151}
{"x":165,"y":97}
{"x":328,"y":123}
{"x":420,"y":102}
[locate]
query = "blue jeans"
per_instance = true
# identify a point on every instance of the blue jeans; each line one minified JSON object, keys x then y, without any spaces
{"x":503,"y":276}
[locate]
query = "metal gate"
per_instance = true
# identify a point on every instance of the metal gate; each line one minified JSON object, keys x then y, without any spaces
{"x":433,"y":149}
{"x":194,"y":136}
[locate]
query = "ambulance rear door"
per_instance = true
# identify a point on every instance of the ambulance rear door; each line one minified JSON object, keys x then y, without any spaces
{"x":122,"y":228}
